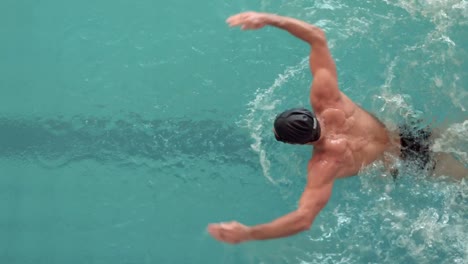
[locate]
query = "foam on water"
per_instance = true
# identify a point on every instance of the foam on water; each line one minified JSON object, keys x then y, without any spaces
{"x":454,"y":140}
{"x":261,"y":111}
{"x":381,"y":221}
{"x":415,"y":219}
{"x":446,"y":15}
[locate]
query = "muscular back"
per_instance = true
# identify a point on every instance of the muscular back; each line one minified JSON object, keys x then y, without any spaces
{"x":352,"y":137}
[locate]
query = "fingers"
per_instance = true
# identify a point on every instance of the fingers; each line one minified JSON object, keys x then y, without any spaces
{"x":238,"y":16}
{"x":223,"y":232}
{"x":233,"y":20}
{"x":228,"y":226}
{"x":247,"y":21}
{"x":228,"y":235}
{"x":238,"y":19}
{"x":215,"y":232}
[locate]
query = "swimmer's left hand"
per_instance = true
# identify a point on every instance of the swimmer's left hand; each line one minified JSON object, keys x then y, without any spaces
{"x":232,"y":232}
{"x":248,"y":20}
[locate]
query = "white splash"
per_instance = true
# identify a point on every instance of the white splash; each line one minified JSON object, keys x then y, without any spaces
{"x":454,"y":140}
{"x":444,"y":14}
{"x":261,"y":111}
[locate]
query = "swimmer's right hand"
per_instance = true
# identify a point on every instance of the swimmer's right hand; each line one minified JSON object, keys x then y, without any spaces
{"x":248,"y":20}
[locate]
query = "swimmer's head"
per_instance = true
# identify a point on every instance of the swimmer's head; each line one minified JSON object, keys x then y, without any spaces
{"x":297,"y":126}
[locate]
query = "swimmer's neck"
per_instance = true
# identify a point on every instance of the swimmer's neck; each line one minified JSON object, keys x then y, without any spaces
{"x":321,"y":141}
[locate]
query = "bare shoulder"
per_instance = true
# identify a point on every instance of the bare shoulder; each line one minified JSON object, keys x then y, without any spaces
{"x":347,"y":105}
{"x":342,"y":104}
{"x":323,"y":167}
{"x":325,"y":92}
{"x":330,"y":152}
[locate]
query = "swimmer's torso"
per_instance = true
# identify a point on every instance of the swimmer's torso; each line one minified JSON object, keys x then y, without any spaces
{"x":353,"y":138}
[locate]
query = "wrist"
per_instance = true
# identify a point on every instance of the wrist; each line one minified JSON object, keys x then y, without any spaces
{"x":271,"y":19}
{"x":250,"y":233}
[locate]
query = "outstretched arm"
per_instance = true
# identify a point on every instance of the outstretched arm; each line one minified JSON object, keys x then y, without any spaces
{"x":313,"y":200}
{"x":325,"y":86}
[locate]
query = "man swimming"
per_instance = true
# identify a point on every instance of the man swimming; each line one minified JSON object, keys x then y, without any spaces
{"x":345,"y":138}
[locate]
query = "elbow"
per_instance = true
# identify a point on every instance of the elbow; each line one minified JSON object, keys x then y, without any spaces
{"x":306,"y":216}
{"x":305,"y":226}
{"x":317,"y":36}
{"x":321,"y":34}
{"x":305,"y":221}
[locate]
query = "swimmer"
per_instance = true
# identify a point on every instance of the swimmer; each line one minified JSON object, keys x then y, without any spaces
{"x":345,"y":137}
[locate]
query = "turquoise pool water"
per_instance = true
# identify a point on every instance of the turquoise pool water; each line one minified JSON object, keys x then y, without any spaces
{"x":127,"y":126}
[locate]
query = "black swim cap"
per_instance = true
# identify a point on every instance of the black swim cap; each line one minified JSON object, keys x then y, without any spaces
{"x":297,"y":126}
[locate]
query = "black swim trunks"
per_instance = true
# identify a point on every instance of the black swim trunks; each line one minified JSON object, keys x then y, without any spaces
{"x":416,"y":146}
